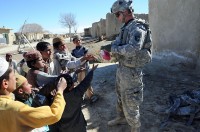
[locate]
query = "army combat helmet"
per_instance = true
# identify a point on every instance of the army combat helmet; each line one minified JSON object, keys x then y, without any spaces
{"x":121,"y":5}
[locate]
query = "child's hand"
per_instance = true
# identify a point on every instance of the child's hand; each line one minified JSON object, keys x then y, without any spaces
{"x":89,"y":57}
{"x":94,"y":67}
{"x":65,"y":71}
{"x":53,"y":92}
{"x":35,"y":89}
{"x":80,"y":70}
{"x":62,"y":84}
{"x":46,"y":68}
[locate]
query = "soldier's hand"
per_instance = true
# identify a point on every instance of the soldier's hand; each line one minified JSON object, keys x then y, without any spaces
{"x":117,"y":41}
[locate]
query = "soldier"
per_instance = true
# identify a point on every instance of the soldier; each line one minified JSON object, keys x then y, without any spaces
{"x":132,"y":51}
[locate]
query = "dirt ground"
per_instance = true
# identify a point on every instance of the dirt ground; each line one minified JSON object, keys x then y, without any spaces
{"x":160,"y":81}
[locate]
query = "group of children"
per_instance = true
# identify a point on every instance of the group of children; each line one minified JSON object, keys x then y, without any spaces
{"x":19,"y":117}
{"x":49,"y":83}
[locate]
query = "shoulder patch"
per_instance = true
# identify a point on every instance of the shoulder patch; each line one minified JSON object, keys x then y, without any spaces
{"x":138,"y":36}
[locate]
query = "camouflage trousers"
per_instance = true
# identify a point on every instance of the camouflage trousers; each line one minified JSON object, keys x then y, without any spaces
{"x":129,"y":88}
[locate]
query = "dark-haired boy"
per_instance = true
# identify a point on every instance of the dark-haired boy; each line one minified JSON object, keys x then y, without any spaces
{"x":78,"y":52}
{"x":12,"y":63}
{"x":73,"y":119}
{"x":45,"y":49}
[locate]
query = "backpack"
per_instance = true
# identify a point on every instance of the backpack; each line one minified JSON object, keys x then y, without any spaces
{"x":148,"y":39}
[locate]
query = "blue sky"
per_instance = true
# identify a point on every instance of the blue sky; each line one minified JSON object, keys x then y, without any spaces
{"x":47,"y":13}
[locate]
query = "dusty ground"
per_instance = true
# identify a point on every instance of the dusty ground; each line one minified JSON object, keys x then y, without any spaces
{"x":160,"y":81}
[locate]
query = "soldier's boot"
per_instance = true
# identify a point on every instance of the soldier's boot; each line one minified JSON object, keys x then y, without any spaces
{"x":135,"y":129}
{"x":117,"y":121}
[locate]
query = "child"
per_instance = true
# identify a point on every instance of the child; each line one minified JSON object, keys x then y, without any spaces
{"x":45,"y":49}
{"x":78,"y":52}
{"x":73,"y":119}
{"x":62,"y":58}
{"x":23,"y":68}
{"x":35,"y":76}
{"x":23,"y":94}
{"x":23,"y":90}
{"x":12,"y":63}
{"x":19,"y":117}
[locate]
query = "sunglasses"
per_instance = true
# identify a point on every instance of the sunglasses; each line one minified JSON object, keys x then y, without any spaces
{"x":118,"y":14}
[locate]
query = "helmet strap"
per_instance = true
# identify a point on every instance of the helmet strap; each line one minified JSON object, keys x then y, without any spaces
{"x":123,"y":17}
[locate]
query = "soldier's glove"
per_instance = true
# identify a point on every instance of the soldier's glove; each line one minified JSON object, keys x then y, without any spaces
{"x":117,"y":41}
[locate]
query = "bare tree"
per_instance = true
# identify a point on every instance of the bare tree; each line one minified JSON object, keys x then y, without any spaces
{"x":68,"y":20}
{"x":75,"y":29}
{"x":31,"y":28}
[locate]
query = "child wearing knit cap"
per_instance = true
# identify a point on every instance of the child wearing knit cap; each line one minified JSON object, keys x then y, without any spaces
{"x":23,"y":94}
{"x":35,"y":76}
{"x":23,"y":89}
{"x":41,"y":82}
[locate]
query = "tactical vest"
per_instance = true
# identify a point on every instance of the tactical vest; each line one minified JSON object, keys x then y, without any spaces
{"x":142,"y":57}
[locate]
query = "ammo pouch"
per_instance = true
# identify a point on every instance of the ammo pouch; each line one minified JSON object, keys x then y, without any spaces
{"x":141,"y":58}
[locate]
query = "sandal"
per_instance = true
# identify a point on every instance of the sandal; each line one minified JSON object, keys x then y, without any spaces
{"x":93,"y":99}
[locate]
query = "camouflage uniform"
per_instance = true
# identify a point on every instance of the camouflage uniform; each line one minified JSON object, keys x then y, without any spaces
{"x":132,"y":56}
